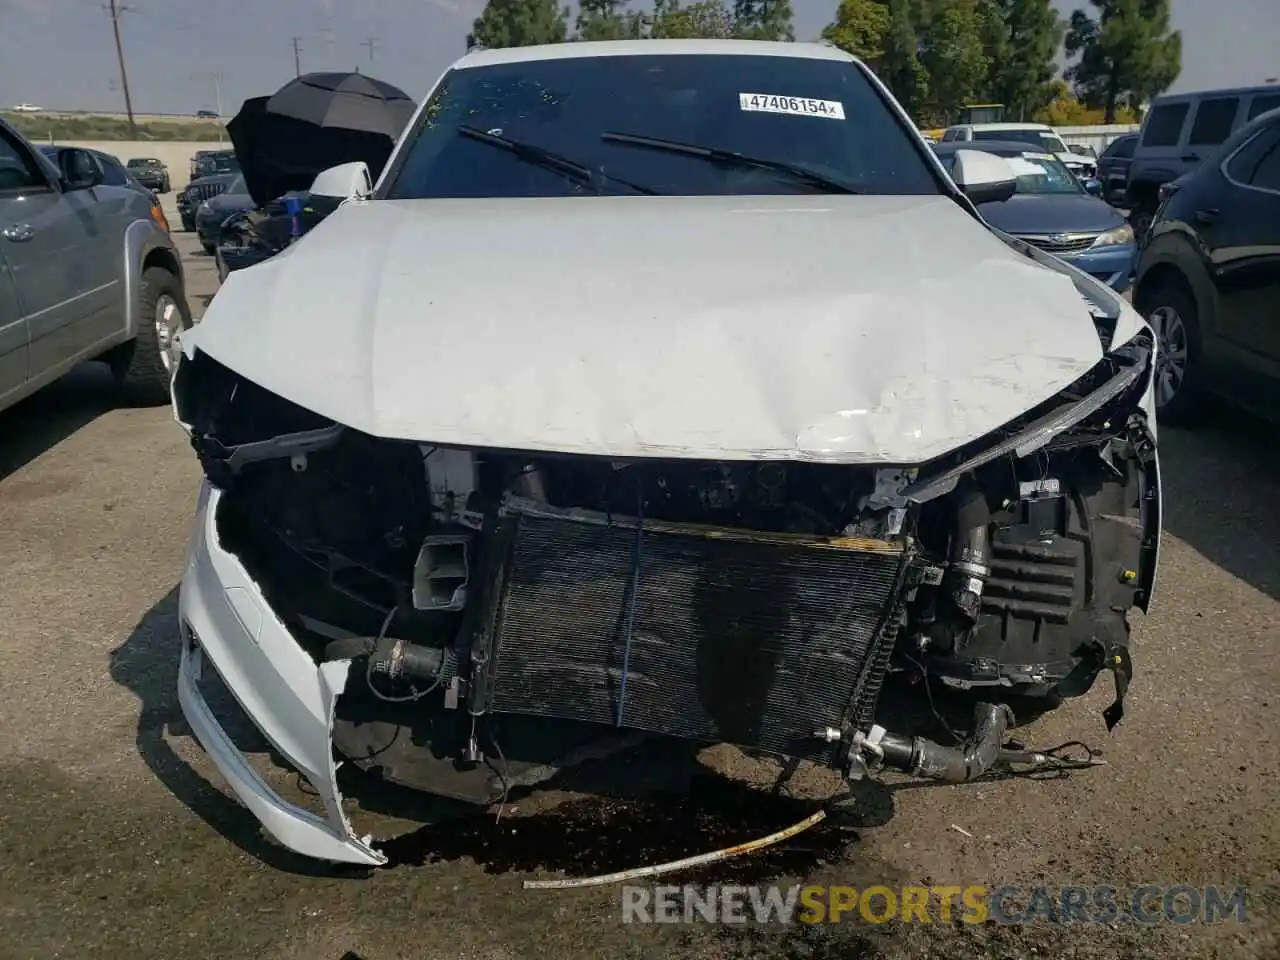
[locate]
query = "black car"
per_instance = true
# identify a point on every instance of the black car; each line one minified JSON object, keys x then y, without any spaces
{"x":1113,"y":167}
{"x":1209,"y":277}
{"x":198,"y":191}
{"x":149,"y":172}
{"x":211,"y":213}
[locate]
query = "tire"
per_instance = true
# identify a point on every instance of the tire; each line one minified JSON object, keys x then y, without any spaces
{"x":188,"y":225}
{"x":209,"y":248}
{"x":142,"y":366}
{"x":1171,"y":310}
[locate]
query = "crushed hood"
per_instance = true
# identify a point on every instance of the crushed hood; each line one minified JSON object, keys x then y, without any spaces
{"x":830,"y":328}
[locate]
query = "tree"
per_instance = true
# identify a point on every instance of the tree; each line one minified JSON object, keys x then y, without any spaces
{"x":951,"y":54}
{"x":861,"y":27}
{"x":763,"y":20}
{"x":706,"y":18}
{"x":1021,"y":40}
{"x":608,"y":20}
{"x":518,"y":23}
{"x":1127,"y":53}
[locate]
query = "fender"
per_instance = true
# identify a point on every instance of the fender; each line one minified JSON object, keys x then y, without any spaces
{"x":145,"y":244}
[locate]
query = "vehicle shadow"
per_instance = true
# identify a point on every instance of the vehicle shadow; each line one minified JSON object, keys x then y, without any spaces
{"x":49,"y":416}
{"x":657,"y":802}
{"x":1221,"y":484}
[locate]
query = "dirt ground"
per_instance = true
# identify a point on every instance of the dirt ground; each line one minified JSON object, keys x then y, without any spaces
{"x":118,"y":839}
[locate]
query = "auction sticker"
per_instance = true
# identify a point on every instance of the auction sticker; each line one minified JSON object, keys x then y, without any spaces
{"x":796,"y":106}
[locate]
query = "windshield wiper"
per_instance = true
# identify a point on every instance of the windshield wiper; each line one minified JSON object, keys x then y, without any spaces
{"x":548,"y":159}
{"x":731,"y":158}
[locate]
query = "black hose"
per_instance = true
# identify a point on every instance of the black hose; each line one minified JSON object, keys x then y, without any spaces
{"x":970,"y":760}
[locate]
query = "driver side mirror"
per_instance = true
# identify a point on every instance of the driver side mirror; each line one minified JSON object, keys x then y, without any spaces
{"x":346,"y":181}
{"x":1093,"y":187}
{"x":79,"y":169}
{"x":983,"y":177}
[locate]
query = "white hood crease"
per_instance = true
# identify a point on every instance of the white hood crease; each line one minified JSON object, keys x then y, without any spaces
{"x":833,"y":328}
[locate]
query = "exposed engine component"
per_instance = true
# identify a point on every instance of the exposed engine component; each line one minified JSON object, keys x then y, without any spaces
{"x":510,"y":605}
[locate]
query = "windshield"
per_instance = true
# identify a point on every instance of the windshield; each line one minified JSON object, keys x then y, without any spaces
{"x":1044,"y":139}
{"x":1041,"y":173}
{"x":237,"y":186}
{"x":222,"y":165}
{"x":822,"y":116}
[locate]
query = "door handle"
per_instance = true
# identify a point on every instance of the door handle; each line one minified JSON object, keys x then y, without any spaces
{"x":1191,"y":158}
{"x":18,"y":232}
{"x":1208,"y":216}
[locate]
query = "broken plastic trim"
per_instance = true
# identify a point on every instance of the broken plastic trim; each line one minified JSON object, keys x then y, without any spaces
{"x":276,"y":448}
{"x":1040,"y":431}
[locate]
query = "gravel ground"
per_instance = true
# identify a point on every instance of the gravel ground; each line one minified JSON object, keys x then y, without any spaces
{"x":118,"y":839}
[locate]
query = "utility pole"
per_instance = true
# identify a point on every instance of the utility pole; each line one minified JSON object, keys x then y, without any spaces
{"x":115,"y":10}
{"x":297,"y":57}
{"x":369,"y":45}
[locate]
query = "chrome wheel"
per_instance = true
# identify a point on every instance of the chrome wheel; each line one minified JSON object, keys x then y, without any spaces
{"x":168,"y":325}
{"x":1171,"y":353}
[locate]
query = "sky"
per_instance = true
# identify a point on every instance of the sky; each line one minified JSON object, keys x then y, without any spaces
{"x":186,"y":55}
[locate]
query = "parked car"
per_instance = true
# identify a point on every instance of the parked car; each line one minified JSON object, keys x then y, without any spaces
{"x":197,"y":192}
{"x":1039,"y":135}
{"x":1179,"y":131}
{"x":1113,"y":168}
{"x":636,"y":419}
{"x":211,"y":213}
{"x":217,"y":161}
{"x":150,"y":172}
{"x":26,"y":108}
{"x":1209,"y":277}
{"x":208,"y":114}
{"x":1083,"y":150}
{"x":1054,"y":211}
{"x":196,"y":159}
{"x":252,"y":236}
{"x":87,"y":271}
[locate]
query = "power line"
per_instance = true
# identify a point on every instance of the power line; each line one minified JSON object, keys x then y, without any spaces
{"x":115,"y":10}
{"x":297,"y":57}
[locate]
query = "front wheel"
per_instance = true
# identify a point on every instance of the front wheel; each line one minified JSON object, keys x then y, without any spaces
{"x":144,"y":366}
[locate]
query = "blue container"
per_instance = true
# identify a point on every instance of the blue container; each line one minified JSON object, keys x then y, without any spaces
{"x":293,"y":205}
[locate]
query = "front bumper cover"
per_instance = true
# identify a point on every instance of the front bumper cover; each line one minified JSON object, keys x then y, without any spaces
{"x":227,"y":624}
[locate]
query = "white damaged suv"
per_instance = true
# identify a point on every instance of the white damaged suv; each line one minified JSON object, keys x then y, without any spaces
{"x":657,"y":388}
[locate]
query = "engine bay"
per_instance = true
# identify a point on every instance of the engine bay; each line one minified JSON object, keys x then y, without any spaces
{"x":563,"y":598}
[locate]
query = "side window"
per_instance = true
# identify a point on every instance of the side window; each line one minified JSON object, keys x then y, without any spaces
{"x":1263,"y":102}
{"x":17,"y":169}
{"x":1164,"y":126}
{"x":1122,"y":149}
{"x":1213,"y":121}
{"x":1255,"y":162}
{"x":1266,"y":175}
{"x":950,"y":135}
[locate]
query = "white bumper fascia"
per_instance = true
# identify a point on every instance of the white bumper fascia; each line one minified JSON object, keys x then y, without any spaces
{"x":226,"y":622}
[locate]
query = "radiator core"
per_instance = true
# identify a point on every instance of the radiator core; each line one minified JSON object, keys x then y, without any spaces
{"x":749,"y":638}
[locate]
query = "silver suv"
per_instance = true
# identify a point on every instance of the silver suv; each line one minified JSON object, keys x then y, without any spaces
{"x":87,"y":271}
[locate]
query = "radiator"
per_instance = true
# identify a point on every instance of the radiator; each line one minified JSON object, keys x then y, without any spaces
{"x":713,"y":635}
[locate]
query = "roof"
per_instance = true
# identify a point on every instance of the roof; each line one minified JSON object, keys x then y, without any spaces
{"x":1223,"y":92}
{"x":1000,"y":126}
{"x":635,"y":48}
